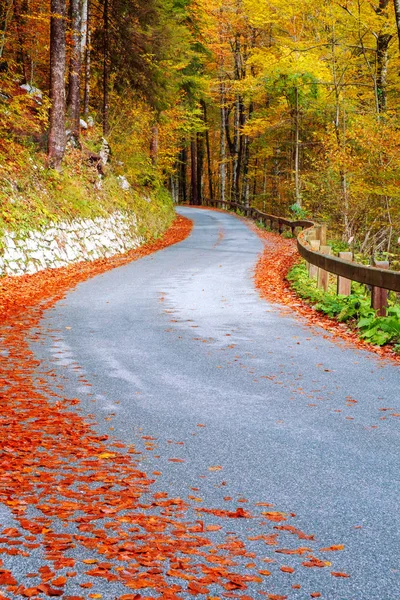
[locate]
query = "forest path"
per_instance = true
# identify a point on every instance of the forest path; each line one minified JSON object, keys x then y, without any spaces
{"x":293,"y":417}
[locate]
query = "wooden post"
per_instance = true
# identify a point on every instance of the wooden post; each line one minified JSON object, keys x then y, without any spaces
{"x":379,"y":296}
{"x":313,"y":269}
{"x":343,"y":284}
{"x":322,"y":235}
{"x":323,"y":276}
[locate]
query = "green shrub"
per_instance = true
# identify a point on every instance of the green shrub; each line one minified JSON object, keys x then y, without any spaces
{"x":355,"y":310}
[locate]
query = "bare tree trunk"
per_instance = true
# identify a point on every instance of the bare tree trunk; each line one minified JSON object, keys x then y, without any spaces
{"x":397,"y":13}
{"x":5,"y":17}
{"x":182,"y":175}
{"x":20,"y":9}
{"x":246,"y":161}
{"x":106,"y":66}
{"x":208,"y":150}
{"x":56,"y":144}
{"x":223,"y":142}
{"x":74,"y":88}
{"x":297,"y":151}
{"x":200,"y":166}
{"x":382,"y":45}
{"x":88,"y":41}
{"x":154,"y":144}
{"x":193,"y":182}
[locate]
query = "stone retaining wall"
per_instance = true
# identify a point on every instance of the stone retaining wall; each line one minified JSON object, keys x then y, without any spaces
{"x":68,"y":242}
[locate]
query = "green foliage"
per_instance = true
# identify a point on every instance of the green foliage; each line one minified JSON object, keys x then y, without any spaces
{"x":297,"y":211}
{"x":355,"y":310}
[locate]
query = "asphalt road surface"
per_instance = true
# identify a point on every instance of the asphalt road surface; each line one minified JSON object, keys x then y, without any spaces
{"x":293,"y":417}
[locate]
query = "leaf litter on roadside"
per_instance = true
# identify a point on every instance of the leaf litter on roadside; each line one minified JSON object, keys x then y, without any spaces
{"x":79,"y":501}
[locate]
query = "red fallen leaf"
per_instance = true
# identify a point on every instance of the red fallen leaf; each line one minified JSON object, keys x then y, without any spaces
{"x":265,"y":572}
{"x":29,"y":592}
{"x":333,"y":548}
{"x":176,"y":460}
{"x":86,"y":585}
{"x":300,"y":534}
{"x":315,"y":595}
{"x":296,"y":586}
{"x":59,"y":582}
{"x":315,"y":562}
{"x":130,"y":597}
{"x":339,"y":574}
{"x":74,"y":598}
{"x":195,"y":588}
{"x":11,"y":532}
{"x":276,"y":597}
{"x":299,"y":551}
{"x":286,"y":569}
{"x":54,"y":592}
{"x":274,"y":516}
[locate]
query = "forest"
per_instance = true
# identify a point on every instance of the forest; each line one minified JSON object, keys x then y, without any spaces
{"x":288,"y":107}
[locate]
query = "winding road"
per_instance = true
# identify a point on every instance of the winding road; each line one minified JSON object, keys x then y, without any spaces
{"x":288,"y":415}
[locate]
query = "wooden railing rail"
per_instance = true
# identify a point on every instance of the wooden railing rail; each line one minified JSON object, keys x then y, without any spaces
{"x":377,"y":278}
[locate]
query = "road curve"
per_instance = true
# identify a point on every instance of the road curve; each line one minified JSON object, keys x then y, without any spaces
{"x":294,"y":418}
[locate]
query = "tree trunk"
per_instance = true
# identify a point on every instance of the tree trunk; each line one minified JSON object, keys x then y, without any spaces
{"x":20,"y":9}
{"x":297,"y":152}
{"x":154,"y":145}
{"x":223,"y":142}
{"x":208,"y":150}
{"x":56,"y":145}
{"x":87,"y":54}
{"x":382,"y":46}
{"x":74,"y":88}
{"x":5,"y":17}
{"x":397,"y":13}
{"x":193,"y":182}
{"x":200,"y":166}
{"x":182,"y":176}
{"x":106,"y":66}
{"x":246,"y":161}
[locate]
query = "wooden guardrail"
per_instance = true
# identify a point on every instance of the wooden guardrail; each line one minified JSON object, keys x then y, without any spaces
{"x":379,"y":279}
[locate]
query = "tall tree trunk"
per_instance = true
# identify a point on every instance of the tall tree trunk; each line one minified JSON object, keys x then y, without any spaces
{"x":382,"y":46}
{"x":183,"y":159}
{"x":246,"y":161}
{"x":154,"y":144}
{"x":19,"y":9}
{"x":193,"y":181}
{"x":208,"y":150}
{"x":106,"y":66}
{"x":223,"y":141}
{"x":297,"y":150}
{"x":200,"y":166}
{"x":74,"y":88}
{"x":56,"y":145}
{"x":87,"y":58}
{"x":397,"y":13}
{"x":5,"y":17}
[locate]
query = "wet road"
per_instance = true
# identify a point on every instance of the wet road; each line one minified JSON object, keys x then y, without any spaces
{"x":294,"y":418}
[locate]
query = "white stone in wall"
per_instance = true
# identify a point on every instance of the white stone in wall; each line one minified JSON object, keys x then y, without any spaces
{"x":64,"y":243}
{"x":13,"y":254}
